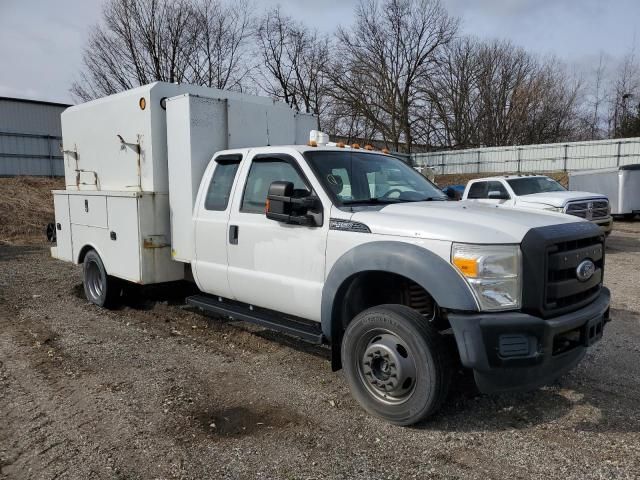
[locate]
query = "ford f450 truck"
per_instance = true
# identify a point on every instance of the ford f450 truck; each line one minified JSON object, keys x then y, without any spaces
{"x":333,"y":244}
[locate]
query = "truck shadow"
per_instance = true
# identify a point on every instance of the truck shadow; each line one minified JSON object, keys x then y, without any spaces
{"x":617,"y":244}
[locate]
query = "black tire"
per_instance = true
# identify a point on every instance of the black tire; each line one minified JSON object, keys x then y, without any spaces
{"x":99,"y":288}
{"x":417,"y":391}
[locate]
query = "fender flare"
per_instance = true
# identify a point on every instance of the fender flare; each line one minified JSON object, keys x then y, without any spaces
{"x":438,"y":277}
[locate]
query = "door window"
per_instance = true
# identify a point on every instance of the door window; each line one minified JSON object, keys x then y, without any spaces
{"x":220,"y":187}
{"x":262,"y":174}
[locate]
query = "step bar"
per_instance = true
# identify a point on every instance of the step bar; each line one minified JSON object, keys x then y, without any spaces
{"x":303,"y":329}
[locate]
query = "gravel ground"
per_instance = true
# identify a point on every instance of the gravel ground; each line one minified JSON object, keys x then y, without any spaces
{"x":153,"y":390}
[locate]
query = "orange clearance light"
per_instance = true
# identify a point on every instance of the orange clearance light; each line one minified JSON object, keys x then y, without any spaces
{"x":368,"y":147}
{"x":385,"y":150}
{"x":355,"y":145}
{"x":267,"y":206}
{"x":468,"y":266}
{"x":312,"y":143}
{"x":142,"y":103}
{"x":340,"y":145}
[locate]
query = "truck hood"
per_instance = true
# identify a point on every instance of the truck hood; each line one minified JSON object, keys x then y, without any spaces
{"x":558,"y":199}
{"x":463,"y":221}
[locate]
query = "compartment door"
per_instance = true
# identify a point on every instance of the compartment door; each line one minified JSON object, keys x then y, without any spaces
{"x":63,"y":227}
{"x":88,"y":210}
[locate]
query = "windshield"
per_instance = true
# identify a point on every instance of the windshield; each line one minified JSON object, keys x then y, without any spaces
{"x":531,"y":185}
{"x":369,"y":178}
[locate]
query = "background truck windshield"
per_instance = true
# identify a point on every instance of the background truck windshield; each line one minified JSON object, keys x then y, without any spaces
{"x":530,"y":185}
{"x":363,"y":178}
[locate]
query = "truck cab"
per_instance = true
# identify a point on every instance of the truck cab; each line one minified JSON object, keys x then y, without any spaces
{"x":331,"y":243}
{"x":541,"y":193}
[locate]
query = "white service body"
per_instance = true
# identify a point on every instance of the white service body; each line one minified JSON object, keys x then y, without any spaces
{"x":118,"y":170}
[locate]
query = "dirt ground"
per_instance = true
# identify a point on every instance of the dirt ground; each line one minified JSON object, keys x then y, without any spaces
{"x":155,"y":391}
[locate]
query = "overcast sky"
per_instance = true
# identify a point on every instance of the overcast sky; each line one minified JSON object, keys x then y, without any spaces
{"x":41,"y":41}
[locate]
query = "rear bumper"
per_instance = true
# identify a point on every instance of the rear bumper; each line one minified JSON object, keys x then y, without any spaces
{"x":515,"y":351}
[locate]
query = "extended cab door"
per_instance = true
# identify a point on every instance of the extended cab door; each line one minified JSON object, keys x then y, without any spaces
{"x":211,"y":225}
{"x":272,"y":264}
{"x":491,"y":192}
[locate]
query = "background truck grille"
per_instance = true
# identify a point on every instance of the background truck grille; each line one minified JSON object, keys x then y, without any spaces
{"x":589,"y":209}
{"x":551,"y":256}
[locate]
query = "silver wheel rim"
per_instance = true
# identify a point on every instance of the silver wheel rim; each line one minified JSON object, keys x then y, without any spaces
{"x":94,"y":280}
{"x":386,"y":366}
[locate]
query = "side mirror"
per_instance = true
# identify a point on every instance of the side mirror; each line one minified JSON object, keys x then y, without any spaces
{"x":498,"y":195}
{"x":284,"y":207}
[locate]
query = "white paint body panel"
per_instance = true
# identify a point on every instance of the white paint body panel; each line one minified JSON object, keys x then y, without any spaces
{"x":141,"y":251}
{"x":63,"y":234}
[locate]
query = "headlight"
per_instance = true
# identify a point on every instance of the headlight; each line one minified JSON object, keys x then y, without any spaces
{"x":493,"y":272}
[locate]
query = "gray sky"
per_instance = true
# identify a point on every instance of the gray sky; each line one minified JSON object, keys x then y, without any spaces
{"x":41,"y":41}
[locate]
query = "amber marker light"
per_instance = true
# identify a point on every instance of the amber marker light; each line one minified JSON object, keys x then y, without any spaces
{"x":142,"y":103}
{"x":467,"y":266}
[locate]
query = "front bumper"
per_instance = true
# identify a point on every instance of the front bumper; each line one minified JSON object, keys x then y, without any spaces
{"x":605,"y":224}
{"x":516,"y":351}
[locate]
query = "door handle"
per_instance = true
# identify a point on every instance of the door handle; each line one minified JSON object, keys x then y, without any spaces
{"x":233,"y":234}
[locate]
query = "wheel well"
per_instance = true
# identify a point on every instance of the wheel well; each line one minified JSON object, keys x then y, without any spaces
{"x":368,"y":289}
{"x":83,"y":253}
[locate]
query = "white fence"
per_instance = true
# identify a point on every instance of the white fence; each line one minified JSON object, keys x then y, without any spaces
{"x":551,"y":157}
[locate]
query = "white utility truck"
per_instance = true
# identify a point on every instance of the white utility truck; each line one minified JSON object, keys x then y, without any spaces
{"x":333,"y":244}
{"x":540,"y":192}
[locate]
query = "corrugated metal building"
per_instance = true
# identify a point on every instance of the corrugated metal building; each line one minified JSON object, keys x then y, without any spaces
{"x":30,"y":137}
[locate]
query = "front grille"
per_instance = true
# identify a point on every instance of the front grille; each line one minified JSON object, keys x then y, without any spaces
{"x":551,"y":256}
{"x":589,"y":209}
{"x":563,"y":289}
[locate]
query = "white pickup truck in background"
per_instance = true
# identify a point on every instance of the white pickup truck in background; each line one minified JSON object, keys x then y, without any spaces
{"x":540,"y":192}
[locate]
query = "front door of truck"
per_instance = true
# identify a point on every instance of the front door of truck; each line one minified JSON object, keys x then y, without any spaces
{"x":272,"y":264}
{"x":211,"y":224}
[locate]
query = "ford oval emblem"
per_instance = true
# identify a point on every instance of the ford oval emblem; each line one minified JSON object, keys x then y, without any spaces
{"x":585,"y":270}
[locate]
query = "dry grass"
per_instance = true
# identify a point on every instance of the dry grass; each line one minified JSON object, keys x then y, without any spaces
{"x":26,"y":206}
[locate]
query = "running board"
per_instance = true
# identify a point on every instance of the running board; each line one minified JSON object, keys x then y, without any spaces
{"x":304,"y":329}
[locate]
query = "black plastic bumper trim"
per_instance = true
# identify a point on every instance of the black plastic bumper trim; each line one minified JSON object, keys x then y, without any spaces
{"x":478,"y":339}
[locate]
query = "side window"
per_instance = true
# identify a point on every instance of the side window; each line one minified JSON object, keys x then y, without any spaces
{"x":261,"y":175}
{"x":220,"y":187}
{"x":497,"y":187}
{"x":478,"y":190}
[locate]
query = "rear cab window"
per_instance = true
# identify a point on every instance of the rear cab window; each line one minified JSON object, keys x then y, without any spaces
{"x":219,"y":191}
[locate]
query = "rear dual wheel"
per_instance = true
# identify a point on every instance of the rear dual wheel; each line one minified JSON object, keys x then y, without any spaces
{"x":396,"y":364}
{"x":99,"y":288}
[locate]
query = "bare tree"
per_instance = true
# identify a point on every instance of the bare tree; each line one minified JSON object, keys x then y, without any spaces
{"x":142,"y":41}
{"x":625,"y":96}
{"x":222,"y":41}
{"x":294,"y":58}
{"x":392,"y":47}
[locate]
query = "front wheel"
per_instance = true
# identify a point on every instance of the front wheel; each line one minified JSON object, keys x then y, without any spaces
{"x":99,"y":288}
{"x":396,"y":364}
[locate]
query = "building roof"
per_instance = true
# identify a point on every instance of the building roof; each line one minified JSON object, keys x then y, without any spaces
{"x":37,"y":102}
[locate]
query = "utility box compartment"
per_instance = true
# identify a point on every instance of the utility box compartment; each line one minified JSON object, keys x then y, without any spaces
{"x":62,"y":250}
{"x":133,"y":242}
{"x":621,"y":185}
